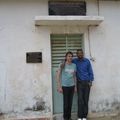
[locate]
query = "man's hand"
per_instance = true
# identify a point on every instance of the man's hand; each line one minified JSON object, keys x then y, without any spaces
{"x":90,"y":83}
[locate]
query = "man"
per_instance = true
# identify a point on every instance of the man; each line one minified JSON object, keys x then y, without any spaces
{"x":84,"y":82}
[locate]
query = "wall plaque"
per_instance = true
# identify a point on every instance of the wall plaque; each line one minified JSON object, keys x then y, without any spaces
{"x":34,"y":57}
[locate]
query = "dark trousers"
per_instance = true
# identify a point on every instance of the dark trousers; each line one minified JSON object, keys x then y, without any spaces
{"x":68,"y":93}
{"x":83,"y":89}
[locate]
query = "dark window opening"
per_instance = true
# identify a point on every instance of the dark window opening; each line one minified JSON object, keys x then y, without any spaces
{"x":67,"y":8}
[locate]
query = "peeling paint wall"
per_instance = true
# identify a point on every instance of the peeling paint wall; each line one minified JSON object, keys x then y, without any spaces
{"x":27,"y":87}
{"x":23,"y":85}
{"x":105,"y":94}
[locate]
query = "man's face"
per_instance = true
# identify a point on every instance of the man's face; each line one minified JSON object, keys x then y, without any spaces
{"x":80,"y":54}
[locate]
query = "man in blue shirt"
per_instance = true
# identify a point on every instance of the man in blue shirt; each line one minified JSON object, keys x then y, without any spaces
{"x":84,"y":81}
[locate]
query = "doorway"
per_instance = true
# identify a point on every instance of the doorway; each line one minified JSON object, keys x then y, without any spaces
{"x":60,"y":44}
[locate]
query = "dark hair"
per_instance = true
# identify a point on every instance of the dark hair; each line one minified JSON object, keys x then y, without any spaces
{"x":63,"y":64}
{"x":81,"y":50}
{"x":67,"y":54}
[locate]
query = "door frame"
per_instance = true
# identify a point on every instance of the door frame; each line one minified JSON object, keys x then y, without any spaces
{"x":71,"y":30}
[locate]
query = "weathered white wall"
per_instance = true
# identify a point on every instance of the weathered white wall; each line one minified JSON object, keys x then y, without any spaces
{"x":105,"y":95}
{"x":22,"y":85}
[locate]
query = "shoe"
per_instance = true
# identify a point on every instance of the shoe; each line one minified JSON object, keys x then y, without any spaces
{"x":79,"y":119}
{"x":84,"y":119}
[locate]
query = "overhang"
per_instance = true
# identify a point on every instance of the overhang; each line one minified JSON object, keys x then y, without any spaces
{"x":68,"y":20}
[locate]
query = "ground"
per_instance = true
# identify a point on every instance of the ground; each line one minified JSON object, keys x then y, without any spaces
{"x":106,"y":118}
{"x":99,"y":117}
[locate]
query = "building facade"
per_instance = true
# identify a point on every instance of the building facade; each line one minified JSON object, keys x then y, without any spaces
{"x":28,"y":89}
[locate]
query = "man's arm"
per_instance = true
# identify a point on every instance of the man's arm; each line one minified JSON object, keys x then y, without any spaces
{"x":90,"y":70}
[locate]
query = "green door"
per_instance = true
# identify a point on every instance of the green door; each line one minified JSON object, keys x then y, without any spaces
{"x":60,"y":44}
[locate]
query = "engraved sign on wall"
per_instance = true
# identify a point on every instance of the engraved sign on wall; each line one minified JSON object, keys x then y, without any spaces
{"x":34,"y":57}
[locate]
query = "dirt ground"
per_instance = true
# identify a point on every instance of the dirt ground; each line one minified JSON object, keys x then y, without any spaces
{"x":92,"y":118}
{"x":106,"y":118}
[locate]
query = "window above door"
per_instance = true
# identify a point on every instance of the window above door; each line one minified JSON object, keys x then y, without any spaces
{"x":67,"y":8}
{"x":62,"y":43}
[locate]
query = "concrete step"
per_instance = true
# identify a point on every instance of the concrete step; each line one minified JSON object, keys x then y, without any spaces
{"x":96,"y":116}
{"x":3,"y":118}
{"x":100,"y":118}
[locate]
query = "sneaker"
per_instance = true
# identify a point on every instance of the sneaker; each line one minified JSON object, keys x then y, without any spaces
{"x":84,"y":119}
{"x":79,"y":119}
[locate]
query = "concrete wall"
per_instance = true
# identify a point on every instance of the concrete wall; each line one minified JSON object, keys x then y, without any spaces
{"x":105,"y":94}
{"x":24,"y":86}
